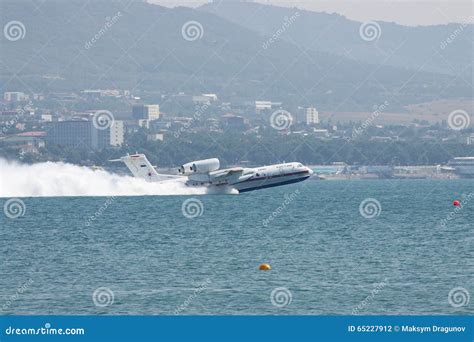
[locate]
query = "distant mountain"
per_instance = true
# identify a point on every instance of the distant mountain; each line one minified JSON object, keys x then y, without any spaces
{"x":423,"y":48}
{"x":73,"y":45}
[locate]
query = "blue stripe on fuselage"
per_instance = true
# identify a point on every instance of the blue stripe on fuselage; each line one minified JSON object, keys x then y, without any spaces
{"x":274,"y":184}
{"x":275,"y":176}
{"x":264,"y":178}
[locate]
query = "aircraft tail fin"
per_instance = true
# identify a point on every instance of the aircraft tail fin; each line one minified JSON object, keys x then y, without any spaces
{"x":140,"y":167}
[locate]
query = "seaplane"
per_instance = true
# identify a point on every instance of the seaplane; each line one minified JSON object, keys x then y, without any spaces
{"x":207,"y":173}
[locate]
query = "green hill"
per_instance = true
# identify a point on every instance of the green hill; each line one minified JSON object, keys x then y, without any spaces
{"x":140,"y":46}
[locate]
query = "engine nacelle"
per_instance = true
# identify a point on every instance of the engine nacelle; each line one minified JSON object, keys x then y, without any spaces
{"x":200,"y":166}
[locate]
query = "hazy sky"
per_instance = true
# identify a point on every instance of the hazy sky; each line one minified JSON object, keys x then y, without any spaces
{"x":421,"y":12}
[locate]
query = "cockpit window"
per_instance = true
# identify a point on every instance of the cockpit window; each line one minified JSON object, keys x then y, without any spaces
{"x":299,"y":165}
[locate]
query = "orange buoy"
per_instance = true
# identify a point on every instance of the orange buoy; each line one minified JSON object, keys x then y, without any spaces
{"x":265,"y":267}
{"x":456,"y":203}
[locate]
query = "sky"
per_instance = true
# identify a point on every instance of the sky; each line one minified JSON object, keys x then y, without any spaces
{"x":404,"y":12}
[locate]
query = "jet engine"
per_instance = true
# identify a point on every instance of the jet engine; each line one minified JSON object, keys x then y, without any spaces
{"x":200,"y":166}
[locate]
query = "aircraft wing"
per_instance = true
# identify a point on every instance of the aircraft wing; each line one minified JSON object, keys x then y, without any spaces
{"x":230,"y":176}
{"x":227,"y":173}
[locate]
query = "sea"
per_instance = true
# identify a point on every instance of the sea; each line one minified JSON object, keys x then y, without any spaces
{"x":361,"y":247}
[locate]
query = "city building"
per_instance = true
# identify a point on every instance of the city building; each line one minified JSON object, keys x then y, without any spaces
{"x":76,"y":133}
{"x":383,"y":138}
{"x":144,"y":123}
{"x":116,"y":133}
{"x":233,"y":122}
{"x":14,"y":96}
{"x":25,"y":142}
{"x":146,"y":112}
{"x":212,"y":97}
{"x":153,"y":112}
{"x":463,"y":166}
{"x":160,"y":125}
{"x":67,"y":97}
{"x":83,"y":133}
{"x":266,"y":105}
{"x":321,"y":133}
{"x":138,"y":112}
{"x":204,"y":99}
{"x":97,"y":93}
{"x":263,"y":105}
{"x":110,"y":93}
{"x":9,"y":114}
{"x":92,"y":93}
{"x":46,"y":117}
{"x":312,"y":116}
{"x":155,"y":137}
{"x":38,"y":96}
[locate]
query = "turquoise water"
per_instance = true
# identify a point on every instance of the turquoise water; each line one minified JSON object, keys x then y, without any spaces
{"x":152,"y":259}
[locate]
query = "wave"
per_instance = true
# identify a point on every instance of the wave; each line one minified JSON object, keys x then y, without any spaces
{"x":62,"y":179}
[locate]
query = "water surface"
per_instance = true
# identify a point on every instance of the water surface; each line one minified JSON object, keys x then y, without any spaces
{"x":329,"y":257}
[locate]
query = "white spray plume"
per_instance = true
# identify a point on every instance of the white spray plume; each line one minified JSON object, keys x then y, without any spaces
{"x":61,"y":179}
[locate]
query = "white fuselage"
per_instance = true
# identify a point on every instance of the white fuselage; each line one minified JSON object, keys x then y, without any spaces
{"x":274,"y":175}
{"x":255,"y":178}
